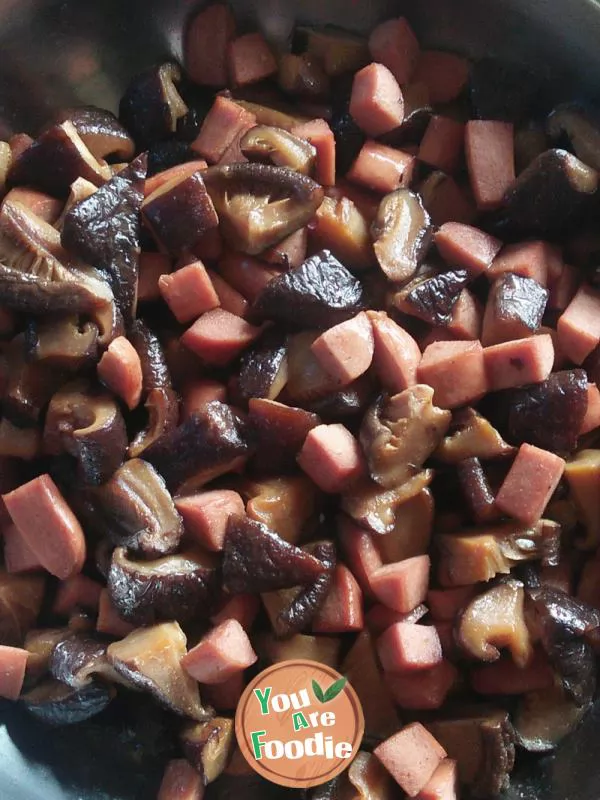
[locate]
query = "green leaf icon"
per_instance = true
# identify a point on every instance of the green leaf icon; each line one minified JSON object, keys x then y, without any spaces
{"x":318,"y":691}
{"x":335,"y":689}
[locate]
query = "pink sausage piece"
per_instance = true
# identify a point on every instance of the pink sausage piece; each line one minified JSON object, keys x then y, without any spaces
{"x":443,"y":361}
{"x":188,"y":292}
{"x":444,"y":604}
{"x":19,"y":143}
{"x":245,"y":274}
{"x":530,"y":483}
{"x":394,"y":44}
{"x":537,"y":259}
{"x":489,"y":147}
{"x":18,"y":556}
{"x":346,"y":351}
{"x":242,"y":607}
{"x":120,"y":369}
{"x":396,"y":357}
{"x":108,"y":620}
{"x":318,"y":133}
{"x":198,"y":394}
{"x":210,"y":245}
{"x":404,"y":647}
{"x":220,"y":128}
{"x":229,"y":298}
{"x":46,"y":522}
{"x":564,"y":288}
{"x":443,"y":784}
{"x":467,"y":317}
{"x":290,"y":252}
{"x":411,"y":756}
{"x":402,"y":586}
{"x":579,"y":326}
{"x":379,"y":617}
{"x":424,"y":689}
{"x":446,"y":633}
{"x":43,"y":205}
{"x":13,"y":662}
{"x":376,"y":103}
{"x":218,"y":337}
{"x":382,"y":169}
{"x":342,"y":611}
{"x":225,"y":696}
{"x":591,"y":421}
{"x":360,"y":551}
{"x":250,"y":59}
{"x":517,"y":363}
{"x":181,"y":781}
{"x":152,"y":266}
{"x":180,"y":171}
{"x":205,"y":515}
{"x":233,"y":154}
{"x":76,"y":592}
{"x":467,"y":247}
{"x":332,"y":458}
{"x":504,"y":677}
{"x":442,"y":144}
{"x":444,"y":74}
{"x":207,"y":38}
{"x":220,"y":654}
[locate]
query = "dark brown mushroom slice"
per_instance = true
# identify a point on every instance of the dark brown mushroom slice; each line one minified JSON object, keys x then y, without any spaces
{"x":402,"y":233}
{"x":259,"y":205}
{"x":530,"y":142}
{"x":338,"y":49}
{"x":155,"y":372}
{"x":342,"y":227}
{"x":101,"y":132}
{"x":40,"y":644}
{"x":268,"y":145}
{"x":21,"y":599}
{"x":208,"y":746}
{"x":162,"y":406}
{"x":472,"y":436}
{"x":398,"y":434}
{"x":152,"y":106}
{"x":477,"y":492}
{"x":178,"y":586}
{"x":432,"y":297}
{"x":349,"y":138}
{"x":263,"y":369}
{"x":412,"y":530}
{"x":307,"y":382}
{"x":515,"y":309}
{"x":318,"y":294}
{"x":579,"y":126}
{"x":543,"y":718}
{"x":278,"y":432}
{"x":88,"y":425}
{"x":417,"y":115}
{"x":77,"y":658}
{"x":65,"y":343}
{"x":138,"y":512}
{"x":302,"y":76}
{"x":164,"y":155}
{"x":55,"y":703}
{"x":149,"y":658}
{"x":376,"y":508}
{"x":55,"y":160}
{"x":104,"y":230}
{"x":256,"y":559}
{"x":495,"y":619}
{"x":348,"y":403}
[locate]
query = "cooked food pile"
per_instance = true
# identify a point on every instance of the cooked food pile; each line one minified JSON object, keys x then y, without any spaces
{"x":300,"y":359}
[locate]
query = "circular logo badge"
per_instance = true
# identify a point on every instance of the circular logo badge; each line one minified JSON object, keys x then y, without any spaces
{"x":299,"y":724}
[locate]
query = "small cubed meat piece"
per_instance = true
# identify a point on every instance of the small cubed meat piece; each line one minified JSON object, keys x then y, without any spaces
{"x":405,"y":647}
{"x":109,"y":621}
{"x":290,"y":252}
{"x":332,"y":458}
{"x":205,"y":515}
{"x":46,"y":522}
{"x":423,"y":690}
{"x":397,"y":355}
{"x":152,"y":266}
{"x":394,"y":44}
{"x":515,"y":309}
{"x":446,"y":633}
{"x":225,"y":696}
{"x":206,"y":41}
{"x":444,"y":604}
{"x":346,"y":351}
{"x":76,"y":592}
{"x":564,"y":288}
{"x":220,"y":654}
{"x":13,"y":661}
{"x":197,"y":394}
{"x":530,"y":483}
{"x":18,"y":556}
{"x":250,"y":59}
{"x":382,"y":168}
{"x":579,"y":326}
{"x":241,"y":607}
{"x":342,"y":611}
{"x":443,"y":784}
{"x":467,"y":317}
{"x":466,"y":247}
{"x":229,"y":298}
{"x":120,"y":369}
{"x":489,"y":147}
{"x":444,"y":74}
{"x":537,"y":260}
{"x":179,"y":171}
{"x":411,"y":756}
{"x":455,"y":371}
{"x":360,"y":551}
{"x":376,"y":103}
{"x":188,"y":292}
{"x":181,"y":781}
{"x":442,"y":144}
{"x":505,"y":677}
{"x":245,"y":274}
{"x":591,"y":421}
{"x":221,"y":127}
{"x":513,"y":364}
{"x":318,"y":133}
{"x":380,"y":617}
{"x":402,"y":585}
{"x":219,"y":336}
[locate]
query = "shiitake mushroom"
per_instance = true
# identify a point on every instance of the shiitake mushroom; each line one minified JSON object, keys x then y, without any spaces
{"x":101,"y":132}
{"x":269,"y":145}
{"x":278,"y":432}
{"x":432,"y":297}
{"x":21,"y":599}
{"x":402,"y":232}
{"x":55,"y":703}
{"x":471,"y":436}
{"x":263,"y":368}
{"x":64,"y":342}
{"x":579,"y":126}
{"x":208,"y":746}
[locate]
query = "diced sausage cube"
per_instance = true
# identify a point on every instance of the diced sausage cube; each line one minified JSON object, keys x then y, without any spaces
{"x":537,"y":260}
{"x":530,"y":483}
{"x":18,"y":556}
{"x":342,"y":611}
{"x":360,"y":551}
{"x":443,"y":784}
{"x":346,"y":351}
{"x":591,"y":421}
{"x":467,"y":317}
{"x":444,"y":74}
{"x":332,"y":458}
{"x":564,"y":288}
{"x":242,"y":607}
{"x":76,"y":592}
{"x":206,"y":42}
{"x":411,"y":756}
{"x":446,"y":633}
{"x":425,"y":689}
{"x":250,"y":59}
{"x":394,"y":44}
{"x":376,"y":103}
{"x":442,"y":143}
{"x":120,"y":369}
{"x":444,"y":604}
{"x":515,"y":309}
{"x":466,"y":247}
{"x":382,"y":169}
{"x":218,"y":337}
{"x":221,"y":126}
{"x":181,"y":781}
{"x":220,"y":654}
{"x":404,"y":647}
{"x":397,"y":356}
{"x":443,"y":362}
{"x":188,"y":292}
{"x":318,"y":133}
{"x":229,"y":298}
{"x":290,"y":252}
{"x":109,"y":621}
{"x":579,"y":326}
{"x":13,"y":661}
{"x":205,"y":515}
{"x":225,"y":696}
{"x":198,"y":394}
{"x":520,"y":362}
{"x":505,"y":677}
{"x":46,"y":522}
{"x":152,"y":266}
{"x":245,"y":274}
{"x":489,"y":147}
{"x":380,"y":617}
{"x":402,"y":585}
{"x":179,"y":171}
